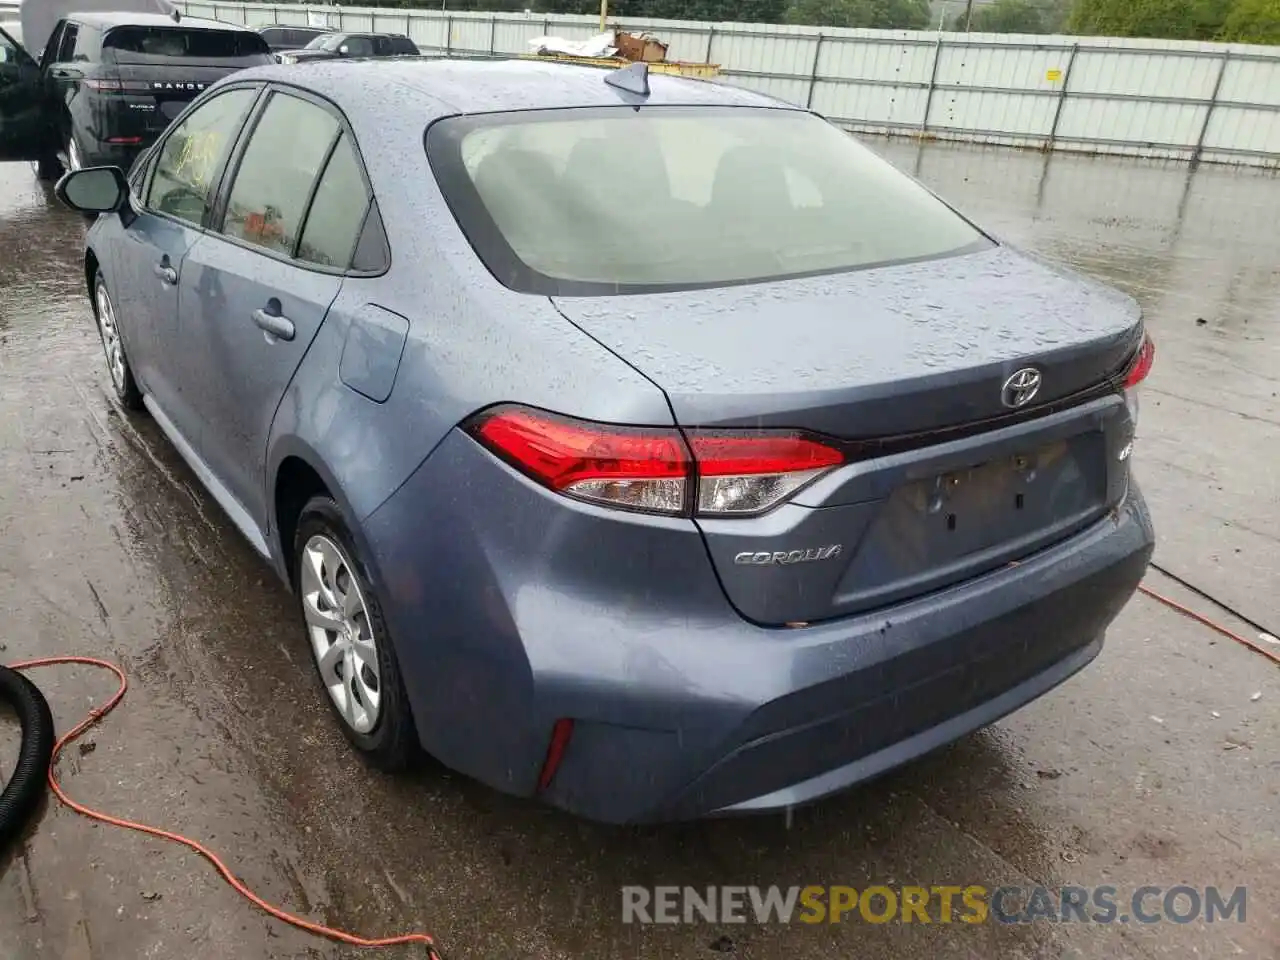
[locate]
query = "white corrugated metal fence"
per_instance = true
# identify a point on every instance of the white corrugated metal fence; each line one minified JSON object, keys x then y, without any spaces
{"x":1152,"y":98}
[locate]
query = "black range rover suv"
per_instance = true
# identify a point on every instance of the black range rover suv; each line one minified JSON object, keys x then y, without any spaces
{"x":110,"y":83}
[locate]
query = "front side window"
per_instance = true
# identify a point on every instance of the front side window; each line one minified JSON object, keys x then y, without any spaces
{"x":67,"y":45}
{"x":721,"y":196}
{"x":327,"y":41}
{"x":11,"y":52}
{"x":268,"y":199}
{"x":192,"y":156}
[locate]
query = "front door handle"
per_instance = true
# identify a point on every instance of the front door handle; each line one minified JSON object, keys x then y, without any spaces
{"x":165,"y":272}
{"x":274,"y":324}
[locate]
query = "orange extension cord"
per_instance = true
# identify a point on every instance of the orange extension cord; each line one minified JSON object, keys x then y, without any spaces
{"x":95,"y":715}
{"x":1201,"y":618}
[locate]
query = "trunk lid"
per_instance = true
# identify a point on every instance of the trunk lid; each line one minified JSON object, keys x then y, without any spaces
{"x":907,"y":366}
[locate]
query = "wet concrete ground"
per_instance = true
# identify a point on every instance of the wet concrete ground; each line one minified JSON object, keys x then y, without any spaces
{"x":1154,"y":766}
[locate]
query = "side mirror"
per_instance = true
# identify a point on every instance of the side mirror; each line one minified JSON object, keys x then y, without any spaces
{"x":94,"y":190}
{"x":345,"y":50}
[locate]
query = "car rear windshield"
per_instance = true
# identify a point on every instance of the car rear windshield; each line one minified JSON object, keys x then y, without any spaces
{"x":161,"y":44}
{"x":616,"y":200}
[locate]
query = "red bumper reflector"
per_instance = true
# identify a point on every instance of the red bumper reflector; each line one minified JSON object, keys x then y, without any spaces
{"x":560,"y":734}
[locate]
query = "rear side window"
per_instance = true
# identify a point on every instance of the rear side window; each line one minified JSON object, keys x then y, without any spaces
{"x":286,"y":152}
{"x":142,"y":45}
{"x":337,"y":211}
{"x":403,"y":47}
{"x":373,"y":252}
{"x":617,"y":200}
{"x":193,"y":154}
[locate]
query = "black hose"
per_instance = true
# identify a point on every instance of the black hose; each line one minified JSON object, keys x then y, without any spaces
{"x":25,"y":788}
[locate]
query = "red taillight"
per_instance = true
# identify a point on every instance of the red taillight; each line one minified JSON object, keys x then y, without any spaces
{"x":560,"y":734}
{"x":1141,"y":365}
{"x":632,"y":467}
{"x":124,"y":140}
{"x":653,"y":469}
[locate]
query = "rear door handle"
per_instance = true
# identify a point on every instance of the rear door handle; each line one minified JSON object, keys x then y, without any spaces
{"x":278,"y":326}
{"x":165,"y":272}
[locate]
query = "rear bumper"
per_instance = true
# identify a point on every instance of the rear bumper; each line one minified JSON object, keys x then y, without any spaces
{"x":510,"y":612}
{"x":100,"y":153}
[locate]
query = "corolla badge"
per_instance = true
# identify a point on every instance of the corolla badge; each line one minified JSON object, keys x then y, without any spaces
{"x":1021,"y":388}
{"x":770,"y":558}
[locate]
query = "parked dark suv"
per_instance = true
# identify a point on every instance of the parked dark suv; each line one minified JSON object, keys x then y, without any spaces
{"x":338,"y":46}
{"x":110,"y":83}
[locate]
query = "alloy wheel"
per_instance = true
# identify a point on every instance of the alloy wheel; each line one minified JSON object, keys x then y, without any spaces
{"x":341,"y":634}
{"x":111,"y":344}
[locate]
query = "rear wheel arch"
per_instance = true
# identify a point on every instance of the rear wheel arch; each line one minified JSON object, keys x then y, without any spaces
{"x":296,"y":483}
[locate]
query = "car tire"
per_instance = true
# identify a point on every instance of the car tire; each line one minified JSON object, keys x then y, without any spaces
{"x":75,"y":159}
{"x":376,"y":720}
{"x":49,"y":167}
{"x":118,"y":369}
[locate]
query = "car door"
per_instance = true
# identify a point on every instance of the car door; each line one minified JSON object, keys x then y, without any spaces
{"x":62,"y":79}
{"x":177,"y":194}
{"x":26,"y":129}
{"x":256,"y":290}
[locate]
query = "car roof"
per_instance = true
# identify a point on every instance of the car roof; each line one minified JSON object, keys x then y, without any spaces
{"x":367,"y":33}
{"x":107,"y":20}
{"x":490,"y":86}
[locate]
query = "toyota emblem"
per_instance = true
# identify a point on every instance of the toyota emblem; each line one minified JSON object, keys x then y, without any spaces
{"x":1021,"y":388}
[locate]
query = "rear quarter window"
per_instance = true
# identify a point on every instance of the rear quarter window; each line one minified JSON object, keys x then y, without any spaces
{"x":140,"y":45}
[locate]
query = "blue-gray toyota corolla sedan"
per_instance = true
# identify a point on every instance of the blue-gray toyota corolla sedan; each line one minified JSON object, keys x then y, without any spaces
{"x":650,"y":447}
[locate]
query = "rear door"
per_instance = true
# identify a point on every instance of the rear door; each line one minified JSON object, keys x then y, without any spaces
{"x":177,"y":192}
{"x":256,"y":291}
{"x":25,"y":129}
